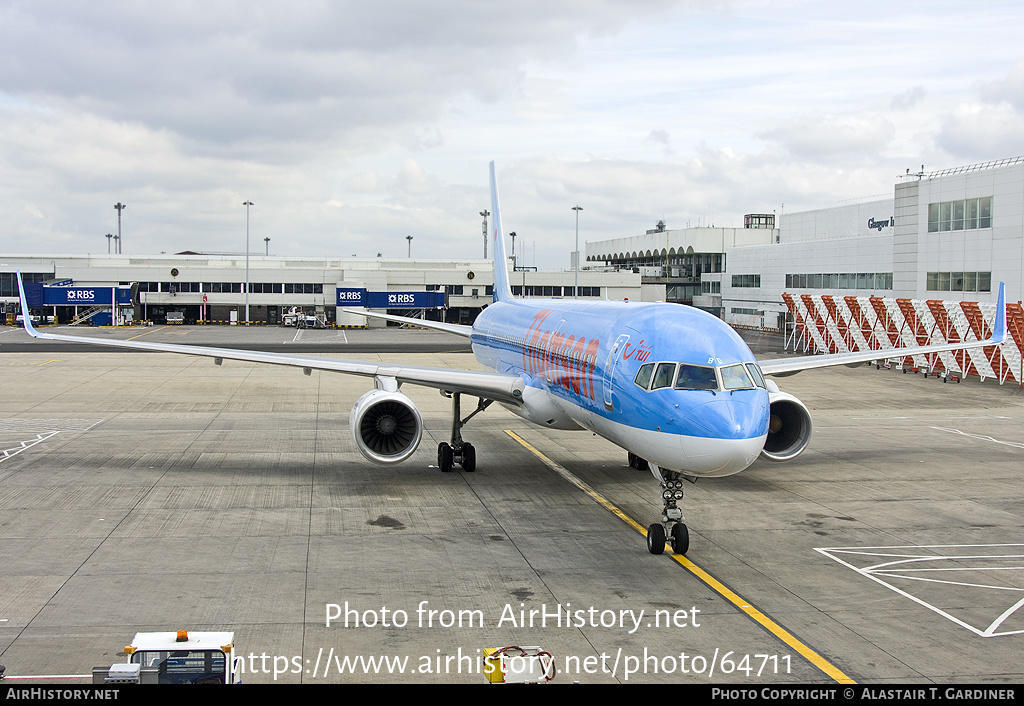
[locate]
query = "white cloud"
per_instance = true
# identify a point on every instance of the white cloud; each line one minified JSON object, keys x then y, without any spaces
{"x":1009,"y":90}
{"x":240,"y":74}
{"x":827,"y":137}
{"x":354,"y":124}
{"x":909,"y":98}
{"x":979,"y":131}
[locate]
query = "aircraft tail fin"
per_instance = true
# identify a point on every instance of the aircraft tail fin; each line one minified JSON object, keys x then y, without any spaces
{"x":502,"y":288}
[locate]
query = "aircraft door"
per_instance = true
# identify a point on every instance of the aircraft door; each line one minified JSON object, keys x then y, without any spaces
{"x":609,"y":369}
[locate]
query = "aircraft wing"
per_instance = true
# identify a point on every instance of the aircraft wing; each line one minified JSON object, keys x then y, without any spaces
{"x":783,"y":366}
{"x":457,"y":329}
{"x":500,"y":387}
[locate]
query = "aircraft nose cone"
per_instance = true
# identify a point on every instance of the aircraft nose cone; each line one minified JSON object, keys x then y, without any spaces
{"x":732,"y":455}
{"x":731,"y":417}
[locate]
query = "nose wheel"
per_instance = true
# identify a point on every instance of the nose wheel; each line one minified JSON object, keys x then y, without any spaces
{"x":656,"y":539}
{"x":671,"y":529}
{"x":678,"y":538}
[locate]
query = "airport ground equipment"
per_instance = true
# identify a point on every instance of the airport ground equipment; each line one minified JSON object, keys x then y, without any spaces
{"x":297,"y":317}
{"x":182,"y":657}
{"x":518,"y":665}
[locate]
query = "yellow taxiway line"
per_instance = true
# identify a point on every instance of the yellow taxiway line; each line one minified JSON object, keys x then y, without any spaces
{"x":714,"y":584}
{"x":146,"y":333}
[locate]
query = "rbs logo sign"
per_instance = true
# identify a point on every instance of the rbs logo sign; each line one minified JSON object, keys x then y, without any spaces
{"x":351,"y":297}
{"x":404,"y":300}
{"x":84,"y":296}
{"x":389,"y":300}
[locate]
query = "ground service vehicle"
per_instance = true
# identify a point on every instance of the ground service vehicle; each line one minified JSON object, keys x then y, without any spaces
{"x":181,"y":657}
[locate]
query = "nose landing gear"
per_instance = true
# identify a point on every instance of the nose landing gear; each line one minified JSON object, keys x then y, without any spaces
{"x":671,"y":530}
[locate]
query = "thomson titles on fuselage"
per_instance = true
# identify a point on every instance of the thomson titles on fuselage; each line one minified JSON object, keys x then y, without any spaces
{"x":560,"y":358}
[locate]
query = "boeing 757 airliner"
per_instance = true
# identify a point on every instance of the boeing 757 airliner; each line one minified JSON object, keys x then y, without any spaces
{"x":674,"y":386}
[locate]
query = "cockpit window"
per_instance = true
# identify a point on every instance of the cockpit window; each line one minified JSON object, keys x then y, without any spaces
{"x":755,"y":372}
{"x":663,"y":377}
{"x":735,"y":377}
{"x":643,"y":376}
{"x":696,"y":377}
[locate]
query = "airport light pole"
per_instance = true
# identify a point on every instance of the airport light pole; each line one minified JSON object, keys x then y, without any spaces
{"x":513,"y":236}
{"x":409,"y":238}
{"x":109,"y":236}
{"x":120,"y":207}
{"x":247,"y":204}
{"x":576,"y":276}
{"x":267,"y":241}
{"x":485,"y":213}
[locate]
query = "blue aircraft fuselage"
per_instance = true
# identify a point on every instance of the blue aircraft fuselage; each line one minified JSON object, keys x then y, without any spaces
{"x":623,"y":370}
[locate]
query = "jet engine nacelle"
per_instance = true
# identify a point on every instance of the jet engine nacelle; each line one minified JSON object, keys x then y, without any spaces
{"x":386,"y":426}
{"x":789,"y":427}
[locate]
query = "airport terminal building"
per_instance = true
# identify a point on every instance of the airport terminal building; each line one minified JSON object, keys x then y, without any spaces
{"x":196,"y":288}
{"x":952,"y":234}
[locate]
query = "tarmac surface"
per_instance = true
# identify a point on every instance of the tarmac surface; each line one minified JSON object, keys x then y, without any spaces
{"x":275,"y":339}
{"x":149,"y":491}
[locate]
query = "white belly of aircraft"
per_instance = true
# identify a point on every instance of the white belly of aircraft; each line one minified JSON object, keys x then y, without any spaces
{"x":691,"y":455}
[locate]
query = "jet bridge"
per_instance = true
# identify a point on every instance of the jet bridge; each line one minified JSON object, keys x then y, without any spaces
{"x":103,"y":305}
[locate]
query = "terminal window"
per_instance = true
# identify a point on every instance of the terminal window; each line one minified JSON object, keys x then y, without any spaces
{"x":967,"y":214}
{"x":746,"y":280}
{"x":552,"y":291}
{"x":759,"y":220}
{"x":959,"y":282}
{"x":303,"y":288}
{"x":265,"y":287}
{"x":840,"y":280}
{"x":9,"y":281}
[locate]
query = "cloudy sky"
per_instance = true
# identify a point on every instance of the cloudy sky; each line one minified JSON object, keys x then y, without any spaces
{"x":352,"y":124}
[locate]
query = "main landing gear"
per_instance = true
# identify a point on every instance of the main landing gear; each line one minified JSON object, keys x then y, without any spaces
{"x":459,"y":451}
{"x":671,"y":529}
{"x":636,"y":462}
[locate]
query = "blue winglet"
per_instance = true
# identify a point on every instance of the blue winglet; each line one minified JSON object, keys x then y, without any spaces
{"x":999,"y":325}
{"x":26,"y":318}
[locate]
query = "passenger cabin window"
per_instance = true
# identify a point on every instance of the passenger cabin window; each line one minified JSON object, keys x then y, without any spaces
{"x":663,"y":377}
{"x":696,"y":377}
{"x":643,"y":375}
